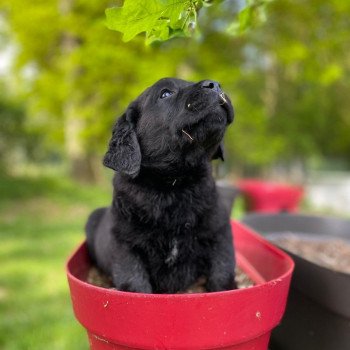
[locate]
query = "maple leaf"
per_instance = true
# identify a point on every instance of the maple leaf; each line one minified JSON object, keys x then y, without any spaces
{"x":159,"y":19}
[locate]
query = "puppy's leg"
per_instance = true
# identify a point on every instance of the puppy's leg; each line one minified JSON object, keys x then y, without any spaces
{"x":91,"y":228}
{"x":222,"y":273}
{"x":129,"y":273}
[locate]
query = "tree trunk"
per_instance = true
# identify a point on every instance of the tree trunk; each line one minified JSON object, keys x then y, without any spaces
{"x":80,"y":163}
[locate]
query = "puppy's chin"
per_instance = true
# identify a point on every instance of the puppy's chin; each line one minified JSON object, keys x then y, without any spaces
{"x":205,"y":129}
{"x":203,"y":103}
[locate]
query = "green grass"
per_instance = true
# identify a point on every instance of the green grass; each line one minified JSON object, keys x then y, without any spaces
{"x":41,"y":222}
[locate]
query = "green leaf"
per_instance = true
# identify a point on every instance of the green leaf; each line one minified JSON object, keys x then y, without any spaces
{"x":159,"y":19}
{"x":250,"y":16}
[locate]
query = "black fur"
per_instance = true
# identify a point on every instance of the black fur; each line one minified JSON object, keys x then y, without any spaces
{"x":166,"y":226}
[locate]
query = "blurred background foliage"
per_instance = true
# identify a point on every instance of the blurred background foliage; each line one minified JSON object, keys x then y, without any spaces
{"x":65,"y":78}
{"x":69,"y":77}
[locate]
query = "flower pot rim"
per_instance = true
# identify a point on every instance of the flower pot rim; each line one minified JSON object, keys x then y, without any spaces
{"x":188,"y":321}
{"x":256,"y":182}
{"x":240,"y":260}
{"x":298,"y":215}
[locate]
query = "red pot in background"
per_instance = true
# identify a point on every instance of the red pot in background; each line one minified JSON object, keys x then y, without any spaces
{"x":239,"y":319}
{"x":270,"y":197}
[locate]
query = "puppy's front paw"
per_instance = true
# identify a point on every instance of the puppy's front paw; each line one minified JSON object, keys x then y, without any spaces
{"x":136,"y":282}
{"x":221,"y":281}
{"x":133,"y":287}
{"x":129,"y":274}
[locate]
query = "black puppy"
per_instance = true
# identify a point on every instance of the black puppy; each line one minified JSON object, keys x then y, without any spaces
{"x":167,"y":226}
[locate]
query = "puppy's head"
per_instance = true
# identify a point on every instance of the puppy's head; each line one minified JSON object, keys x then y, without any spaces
{"x":171,"y":124}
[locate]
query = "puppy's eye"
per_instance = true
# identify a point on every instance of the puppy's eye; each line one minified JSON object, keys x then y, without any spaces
{"x":166,"y":93}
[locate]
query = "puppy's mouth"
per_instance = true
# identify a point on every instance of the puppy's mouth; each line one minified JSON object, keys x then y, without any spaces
{"x":207,"y":118}
{"x":207,"y":113}
{"x":203,"y":131}
{"x":222,"y":98}
{"x":225,"y":104}
{"x":202,"y":101}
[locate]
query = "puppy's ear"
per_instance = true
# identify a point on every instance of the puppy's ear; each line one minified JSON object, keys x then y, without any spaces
{"x":124,"y":153}
{"x":219,"y":153}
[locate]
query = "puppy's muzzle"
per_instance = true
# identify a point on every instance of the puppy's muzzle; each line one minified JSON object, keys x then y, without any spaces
{"x":215,"y":86}
{"x":211,"y":84}
{"x":198,"y":102}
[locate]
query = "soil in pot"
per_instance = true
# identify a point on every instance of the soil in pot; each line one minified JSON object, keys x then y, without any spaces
{"x":330,"y":253}
{"x":97,"y":278}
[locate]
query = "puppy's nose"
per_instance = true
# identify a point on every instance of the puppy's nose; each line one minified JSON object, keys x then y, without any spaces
{"x":211,"y":84}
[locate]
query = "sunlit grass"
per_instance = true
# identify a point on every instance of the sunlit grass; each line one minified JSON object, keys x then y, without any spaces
{"x":41,"y":221}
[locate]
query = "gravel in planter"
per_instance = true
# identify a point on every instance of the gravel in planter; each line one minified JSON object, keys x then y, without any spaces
{"x":99,"y":279}
{"x":318,"y":311}
{"x":331,"y":253}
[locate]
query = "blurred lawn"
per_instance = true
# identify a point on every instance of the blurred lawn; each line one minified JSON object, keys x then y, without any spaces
{"x":41,"y":221}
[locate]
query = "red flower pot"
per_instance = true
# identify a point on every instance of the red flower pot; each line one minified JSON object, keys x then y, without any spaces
{"x":239,"y":319}
{"x":270,"y":197}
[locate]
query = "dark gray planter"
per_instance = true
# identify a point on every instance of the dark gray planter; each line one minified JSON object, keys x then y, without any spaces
{"x":318,"y":309}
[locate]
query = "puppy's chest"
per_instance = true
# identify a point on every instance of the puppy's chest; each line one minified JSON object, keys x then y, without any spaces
{"x":172,"y":210}
{"x":169,"y":248}
{"x":173,"y":252}
{"x":168,"y":229}
{"x":176,"y":262}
